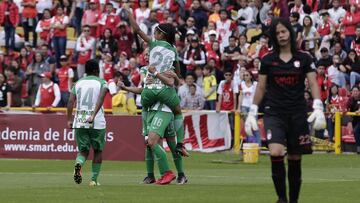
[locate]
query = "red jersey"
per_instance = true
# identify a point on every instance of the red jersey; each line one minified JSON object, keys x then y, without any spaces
{"x":109,"y":21}
{"x":44,"y":34}
{"x":47,"y":95}
{"x":324,"y":29}
{"x":65,"y":74}
{"x":63,"y":20}
{"x":227,"y":90}
{"x":108,"y":71}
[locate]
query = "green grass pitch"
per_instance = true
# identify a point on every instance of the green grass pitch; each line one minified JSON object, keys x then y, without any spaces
{"x":326,"y":178}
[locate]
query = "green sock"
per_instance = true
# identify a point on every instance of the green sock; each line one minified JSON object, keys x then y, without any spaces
{"x":143,"y":119}
{"x":149,"y":160}
{"x":80,"y":159}
{"x":179,"y":128}
{"x":177,"y":158}
{"x":160,"y":156}
{"x":95,"y":170}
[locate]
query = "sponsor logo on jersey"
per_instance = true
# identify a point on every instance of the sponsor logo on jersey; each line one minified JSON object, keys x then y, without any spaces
{"x":297,"y":64}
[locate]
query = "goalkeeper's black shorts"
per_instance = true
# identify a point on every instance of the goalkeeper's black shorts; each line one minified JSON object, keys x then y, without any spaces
{"x":288,"y":129}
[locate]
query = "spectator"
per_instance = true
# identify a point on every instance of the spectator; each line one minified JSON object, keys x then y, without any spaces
{"x":227,"y":92}
{"x":33,"y":75}
{"x":5,"y":93}
{"x":9,"y":18}
{"x":355,"y":73}
{"x":297,"y":8}
{"x":59,"y":24}
{"x":29,"y":19}
{"x":194,"y":56}
{"x":280,"y":9}
{"x":231,"y":53}
{"x":149,"y":24}
{"x":48,"y":94}
{"x":224,"y":27}
{"x":78,"y":13}
{"x":215,"y":15}
{"x":261,"y":10}
{"x":337,"y":50}
{"x":15,"y":84}
{"x":212,"y":37}
{"x":309,"y":101}
{"x":184,"y":89}
{"x":310,"y":34}
{"x":350,"y":21}
{"x":336,"y":75}
{"x":354,"y":106}
{"x":322,"y":81}
{"x":355,"y":44}
{"x":66,"y":77}
{"x":109,"y":20}
{"x":108,"y":44}
{"x":193,"y":100}
{"x":42,"y":5}
{"x":134,"y":75}
{"x":294,"y":20}
{"x":336,"y":12}
{"x":185,"y":29}
{"x":245,"y":17}
{"x":125,"y":39}
{"x":346,"y":65}
{"x":44,"y":27}
{"x":247,"y":92}
{"x":199,"y":15}
{"x":243,"y":45}
{"x":325,"y":58}
{"x":91,"y":18}
{"x":106,"y":66}
{"x":143,"y":12}
{"x":209,"y":86}
{"x":326,"y":28}
{"x":332,"y":105}
{"x":84,"y":45}
{"x":123,"y":62}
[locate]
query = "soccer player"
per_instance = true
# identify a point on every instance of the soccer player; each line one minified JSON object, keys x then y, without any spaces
{"x":162,"y":56}
{"x":89,"y":123}
{"x":281,"y":82}
{"x":169,"y":134}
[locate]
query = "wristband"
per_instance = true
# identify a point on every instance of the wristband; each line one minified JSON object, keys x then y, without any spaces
{"x":155,"y":73}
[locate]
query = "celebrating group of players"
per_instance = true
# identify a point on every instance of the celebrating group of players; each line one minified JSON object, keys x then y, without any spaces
{"x":281,"y":84}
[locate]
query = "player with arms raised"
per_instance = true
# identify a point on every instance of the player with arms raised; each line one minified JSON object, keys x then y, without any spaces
{"x":89,"y":123}
{"x":282,"y":82}
{"x":162,"y":57}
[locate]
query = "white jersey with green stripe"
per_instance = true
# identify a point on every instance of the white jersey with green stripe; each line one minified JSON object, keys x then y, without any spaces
{"x":158,"y":106}
{"x":162,"y":56}
{"x":87,"y":91}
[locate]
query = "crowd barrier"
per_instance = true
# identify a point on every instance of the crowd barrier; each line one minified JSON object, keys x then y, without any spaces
{"x":205,"y":131}
{"x":42,"y":133}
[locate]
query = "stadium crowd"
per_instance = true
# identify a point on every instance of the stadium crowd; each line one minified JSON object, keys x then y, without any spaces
{"x":220,"y":45}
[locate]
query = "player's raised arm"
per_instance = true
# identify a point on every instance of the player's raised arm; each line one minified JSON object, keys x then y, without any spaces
{"x":134,"y":24}
{"x":70,"y":107}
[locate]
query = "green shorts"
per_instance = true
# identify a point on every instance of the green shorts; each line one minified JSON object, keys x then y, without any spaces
{"x":161,"y":123}
{"x":86,"y":138}
{"x":167,"y":96}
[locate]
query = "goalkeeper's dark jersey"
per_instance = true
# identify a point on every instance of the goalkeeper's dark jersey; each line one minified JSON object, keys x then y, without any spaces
{"x":286,"y":81}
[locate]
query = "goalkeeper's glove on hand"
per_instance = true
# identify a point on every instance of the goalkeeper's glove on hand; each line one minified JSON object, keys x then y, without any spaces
{"x":317,"y":117}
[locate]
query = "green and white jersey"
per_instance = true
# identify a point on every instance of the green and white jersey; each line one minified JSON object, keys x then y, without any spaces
{"x":162,"y":56}
{"x":158,"y":106}
{"x":87,"y":91}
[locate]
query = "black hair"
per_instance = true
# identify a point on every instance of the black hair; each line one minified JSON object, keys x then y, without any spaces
{"x":330,"y":93}
{"x":273,"y":36}
{"x":224,"y":10}
{"x":88,"y":26}
{"x":192,"y":75}
{"x":169,"y":31}
{"x":109,"y":4}
{"x":124,"y":78}
{"x":92,"y":67}
{"x":228,"y":70}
